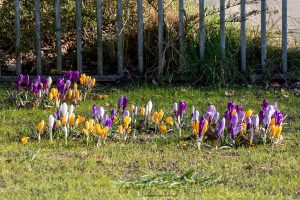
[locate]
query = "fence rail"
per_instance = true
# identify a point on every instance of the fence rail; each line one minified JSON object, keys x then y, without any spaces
{"x":140,"y":46}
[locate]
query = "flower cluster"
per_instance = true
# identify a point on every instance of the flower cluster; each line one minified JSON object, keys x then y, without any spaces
{"x":38,"y":91}
{"x":236,"y":128}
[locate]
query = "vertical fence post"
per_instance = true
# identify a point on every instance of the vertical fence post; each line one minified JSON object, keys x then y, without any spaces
{"x":120,"y":37}
{"x":243,"y":35}
{"x":181,"y":35}
{"x":140,"y":36}
{"x":78,"y":35}
{"x":222,"y":27}
{"x":58,"y":36}
{"x":160,"y":37}
{"x":284,"y":36}
{"x":18,"y":36}
{"x":99,"y":38}
{"x":38,"y":36}
{"x":263,"y":33}
{"x":202,"y":29}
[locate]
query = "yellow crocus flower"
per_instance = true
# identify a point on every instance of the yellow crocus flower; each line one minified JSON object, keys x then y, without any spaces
{"x":71,"y":119}
{"x":120,"y":129}
{"x":50,"y":96}
{"x":79,"y":120}
{"x":75,"y":86}
{"x":93,"y":82}
{"x":115,"y":120}
{"x":41,"y":126}
{"x":276,"y":131}
{"x":69,"y":94}
{"x":142,"y":111}
{"x":195,"y":126}
{"x":127,"y":121}
{"x":160,"y":115}
{"x":205,"y":126}
{"x":169,"y":121}
{"x":24,"y":139}
{"x":132,"y":108}
{"x":64,"y":120}
{"x":163,"y":128}
{"x":57,"y":125}
{"x":248,"y":113}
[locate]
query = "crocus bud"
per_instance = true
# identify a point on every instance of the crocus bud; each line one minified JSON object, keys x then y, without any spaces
{"x":136,"y":110}
{"x":51,"y":121}
{"x":64,"y":109}
{"x":101,"y":112}
{"x":94,"y":110}
{"x":71,"y":109}
{"x":40,"y":94}
{"x":120,"y":102}
{"x":126,"y":113}
{"x":181,"y":108}
{"x":125,"y":102}
{"x":221,"y":127}
{"x":248,"y":122}
{"x":255,"y":121}
{"x":265,"y":104}
{"x":234,"y":120}
{"x":216,"y":117}
{"x":175,"y":107}
{"x":149,"y":107}
{"x":68,"y":84}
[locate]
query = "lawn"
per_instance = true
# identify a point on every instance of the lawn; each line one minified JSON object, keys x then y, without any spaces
{"x":75,"y":171}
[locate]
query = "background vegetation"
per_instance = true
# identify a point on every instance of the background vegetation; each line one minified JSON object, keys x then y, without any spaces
{"x":213,"y":70}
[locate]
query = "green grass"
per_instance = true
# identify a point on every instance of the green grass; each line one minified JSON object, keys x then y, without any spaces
{"x":56,"y":171}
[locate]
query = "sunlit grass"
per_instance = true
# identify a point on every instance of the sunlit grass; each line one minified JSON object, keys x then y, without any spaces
{"x":56,"y":171}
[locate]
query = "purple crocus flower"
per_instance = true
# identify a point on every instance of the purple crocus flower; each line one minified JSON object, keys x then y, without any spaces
{"x":248,"y":122}
{"x":231,"y":106}
{"x":181,"y":108}
{"x":27,"y":81}
{"x":20,"y":80}
{"x":265,"y":104}
{"x":216,"y":117}
{"x":58,"y":113}
{"x":69,"y":75}
{"x":37,"y":79}
{"x":95,"y":111}
{"x":268,"y":117}
{"x":112,"y":114}
{"x":234,"y":121}
{"x":241,"y":116}
{"x":235,"y":130}
{"x":239,"y":108}
{"x":221,"y":127}
{"x":255,"y":121}
{"x":125,"y":102}
{"x":34,"y":88}
{"x":201,"y":125}
{"x":126,"y":113}
{"x":45,"y":83}
{"x":55,"y":116}
{"x":120,"y":102}
{"x":261,"y":116}
{"x":108,"y":123}
{"x":60,"y":84}
{"x":227,"y":115}
{"x":212,"y":109}
{"x":68,"y":84}
{"x":278,"y":118}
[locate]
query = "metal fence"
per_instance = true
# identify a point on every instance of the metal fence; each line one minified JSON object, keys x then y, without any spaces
{"x":140,"y":46}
